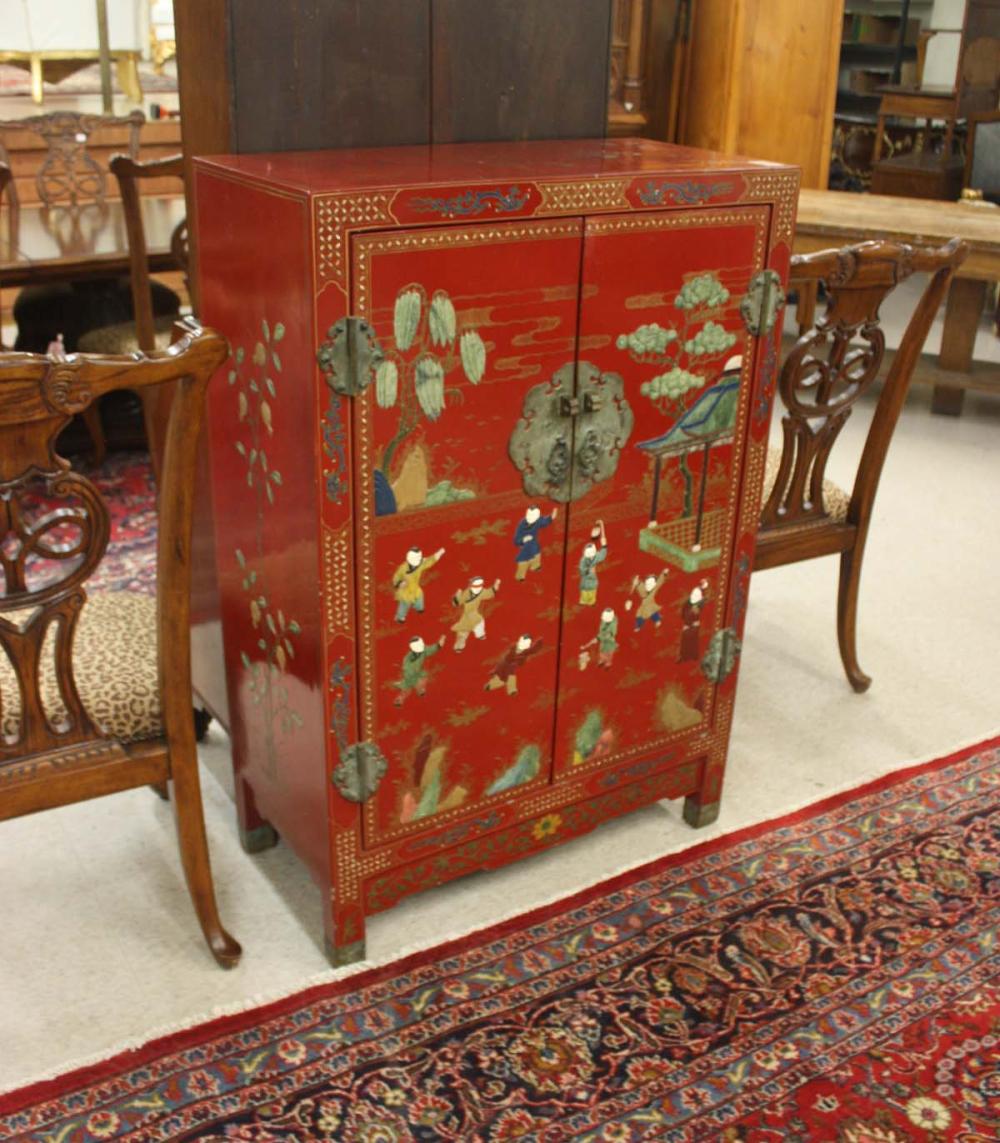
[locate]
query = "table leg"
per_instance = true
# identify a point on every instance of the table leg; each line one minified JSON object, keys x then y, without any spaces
{"x":961,"y":323}
{"x":37,"y":91}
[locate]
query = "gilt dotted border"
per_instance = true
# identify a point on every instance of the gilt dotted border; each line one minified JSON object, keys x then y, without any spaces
{"x":584,"y":197}
{"x":337,"y":578}
{"x":781,"y":188}
{"x":333,"y":216}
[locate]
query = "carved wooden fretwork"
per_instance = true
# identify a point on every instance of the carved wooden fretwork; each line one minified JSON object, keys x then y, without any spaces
{"x":825,"y":374}
{"x":69,"y":174}
{"x":71,"y":541}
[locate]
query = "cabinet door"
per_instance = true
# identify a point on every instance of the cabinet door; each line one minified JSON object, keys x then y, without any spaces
{"x":649,"y":546}
{"x":461,"y":568}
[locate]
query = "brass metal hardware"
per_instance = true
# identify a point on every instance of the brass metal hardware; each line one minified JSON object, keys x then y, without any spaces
{"x":359,"y":772}
{"x":762,"y":302}
{"x":349,"y":356}
{"x":561,"y":461}
{"x":720,"y":658}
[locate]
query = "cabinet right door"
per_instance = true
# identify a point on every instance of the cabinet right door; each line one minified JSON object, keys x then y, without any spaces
{"x":665,"y":354}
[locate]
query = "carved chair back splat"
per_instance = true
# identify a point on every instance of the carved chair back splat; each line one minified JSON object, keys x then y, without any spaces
{"x":827,"y":371}
{"x":69,"y":174}
{"x":52,"y":749}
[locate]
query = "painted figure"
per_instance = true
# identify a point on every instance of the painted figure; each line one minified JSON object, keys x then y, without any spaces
{"x":472,"y":621}
{"x":414,"y":676}
{"x":592,"y":556}
{"x":529,"y":550}
{"x":606,"y":638}
{"x":648,"y":608}
{"x":691,"y":618}
{"x":406,"y":582}
{"x":505,"y":674}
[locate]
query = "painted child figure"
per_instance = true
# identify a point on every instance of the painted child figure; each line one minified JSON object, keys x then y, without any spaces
{"x":690,"y":649}
{"x":505,"y":673}
{"x":606,"y":638}
{"x":592,"y":556}
{"x":649,"y":607}
{"x":472,"y":621}
{"x":529,"y":549}
{"x":406,"y":581}
{"x":414,"y":675}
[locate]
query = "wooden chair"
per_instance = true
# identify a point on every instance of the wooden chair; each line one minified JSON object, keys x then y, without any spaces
{"x":72,"y":185}
{"x":982,"y":155}
{"x":922,"y":174}
{"x":69,"y":175}
{"x":95,"y":691}
{"x":830,"y":367}
{"x":148,"y":331}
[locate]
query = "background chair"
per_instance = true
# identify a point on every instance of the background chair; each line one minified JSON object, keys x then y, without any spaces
{"x":95,"y":693}
{"x":830,"y":367}
{"x":982,"y":155}
{"x":72,"y":187}
{"x":921,"y":173}
{"x":148,"y":331}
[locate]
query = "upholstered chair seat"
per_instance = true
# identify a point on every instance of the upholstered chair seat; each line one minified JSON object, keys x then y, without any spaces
{"x":835,"y":499}
{"x":114,"y":665}
{"x":123,"y":338}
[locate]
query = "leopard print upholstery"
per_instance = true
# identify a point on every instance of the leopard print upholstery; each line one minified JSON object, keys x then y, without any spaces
{"x":122,"y":338}
{"x":835,"y":499}
{"x":114,"y":663}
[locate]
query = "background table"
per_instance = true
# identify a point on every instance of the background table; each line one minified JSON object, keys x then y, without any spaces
{"x":45,"y":244}
{"x":837,"y":218}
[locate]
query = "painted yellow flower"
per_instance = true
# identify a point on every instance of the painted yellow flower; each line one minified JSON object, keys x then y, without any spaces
{"x":928,"y":1113}
{"x":546,"y":827}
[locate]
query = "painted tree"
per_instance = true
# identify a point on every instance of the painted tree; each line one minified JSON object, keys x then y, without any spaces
{"x":428,"y":349}
{"x":686,"y":354}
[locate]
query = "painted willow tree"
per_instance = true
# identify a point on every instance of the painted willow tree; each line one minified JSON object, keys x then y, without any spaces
{"x":428,"y":348}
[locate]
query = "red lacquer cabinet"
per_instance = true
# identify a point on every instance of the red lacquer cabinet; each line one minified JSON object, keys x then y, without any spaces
{"x":487,"y":464}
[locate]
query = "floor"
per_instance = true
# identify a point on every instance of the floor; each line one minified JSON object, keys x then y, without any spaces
{"x":99,"y":947}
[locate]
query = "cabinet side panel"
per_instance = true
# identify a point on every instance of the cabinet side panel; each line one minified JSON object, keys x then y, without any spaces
{"x":255,"y":267}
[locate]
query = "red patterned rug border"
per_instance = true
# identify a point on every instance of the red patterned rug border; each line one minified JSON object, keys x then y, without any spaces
{"x":18,"y":1099}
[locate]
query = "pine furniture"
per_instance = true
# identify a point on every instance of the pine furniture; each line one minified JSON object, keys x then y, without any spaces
{"x":486,"y":466}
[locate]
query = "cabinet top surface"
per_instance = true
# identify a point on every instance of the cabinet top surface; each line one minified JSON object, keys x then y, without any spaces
{"x":317,"y":172}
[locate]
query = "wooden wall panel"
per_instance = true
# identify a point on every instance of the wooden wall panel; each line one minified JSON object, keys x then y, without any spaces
{"x":713,"y":75}
{"x":789,"y":85}
{"x":762,"y":79}
{"x":519,"y":69}
{"x":309,"y":74}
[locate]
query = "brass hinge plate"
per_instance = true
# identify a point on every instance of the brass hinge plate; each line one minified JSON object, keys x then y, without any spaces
{"x":359,"y":772}
{"x":349,"y":356}
{"x":762,"y":302}
{"x":719,"y":660}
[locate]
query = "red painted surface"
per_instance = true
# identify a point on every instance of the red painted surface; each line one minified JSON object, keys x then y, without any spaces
{"x":544,"y":254}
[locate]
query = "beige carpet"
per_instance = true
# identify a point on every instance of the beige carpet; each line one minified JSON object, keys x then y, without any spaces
{"x":99,"y":945}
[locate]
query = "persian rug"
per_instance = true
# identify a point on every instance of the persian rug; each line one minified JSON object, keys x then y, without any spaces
{"x":830,"y":975}
{"x":125,"y":480}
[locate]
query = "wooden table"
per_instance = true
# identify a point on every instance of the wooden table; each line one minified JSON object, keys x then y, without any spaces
{"x":837,"y":218}
{"x":43,"y":244}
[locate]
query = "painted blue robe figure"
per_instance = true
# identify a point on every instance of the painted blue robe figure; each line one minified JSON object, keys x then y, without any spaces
{"x":529,"y":549}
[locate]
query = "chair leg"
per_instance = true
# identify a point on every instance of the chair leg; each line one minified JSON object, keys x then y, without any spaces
{"x":847,"y":614}
{"x":92,"y":419}
{"x":190,"y":820}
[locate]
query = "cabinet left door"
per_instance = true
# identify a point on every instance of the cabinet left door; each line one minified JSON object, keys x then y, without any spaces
{"x":460,"y":568}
